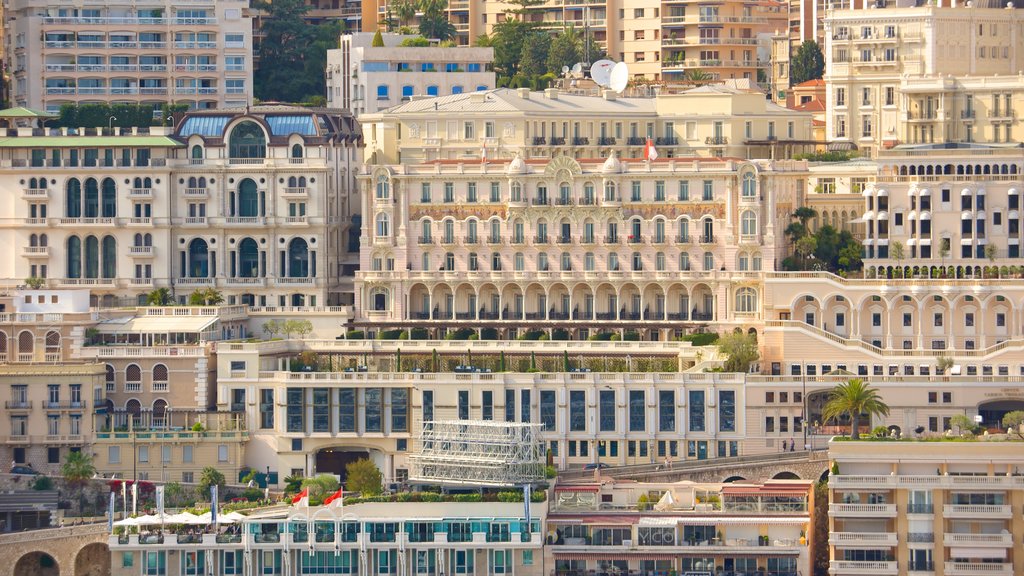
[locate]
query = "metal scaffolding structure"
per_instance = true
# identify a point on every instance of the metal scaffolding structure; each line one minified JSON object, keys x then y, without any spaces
{"x":478,"y":453}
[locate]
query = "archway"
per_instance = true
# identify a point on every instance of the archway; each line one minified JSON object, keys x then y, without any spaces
{"x":93,"y":560}
{"x":37,"y":564}
{"x":787,"y":475}
{"x":992,"y":412}
{"x":334,"y":460}
{"x":731,"y":479}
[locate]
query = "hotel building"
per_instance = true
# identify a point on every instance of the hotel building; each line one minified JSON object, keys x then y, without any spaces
{"x":367,"y":538}
{"x":199,"y":54}
{"x":647,"y":528}
{"x":925,"y":508}
{"x":925,"y":74}
{"x":255,"y":202}
{"x":364,"y":79}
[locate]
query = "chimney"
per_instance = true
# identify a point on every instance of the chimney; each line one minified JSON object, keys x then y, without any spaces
{"x":551,"y":93}
{"x":524,"y":93}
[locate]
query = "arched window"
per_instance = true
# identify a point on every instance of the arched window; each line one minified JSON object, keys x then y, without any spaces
{"x":192,"y":182}
{"x":293,"y":182}
{"x":449,"y":231}
{"x":471,"y":230}
{"x":52,"y":342}
{"x":26,"y":342}
{"x":748,"y":223}
{"x":383,"y":187}
{"x":197,"y":152}
{"x":408,"y":92}
{"x":298,"y":258}
{"x":74,"y":259}
{"x":159,"y":377}
{"x":456,"y":89}
{"x":92,"y":199}
{"x":3,"y":346}
{"x":746,"y":300}
{"x":425,"y":261}
{"x":247,"y":141}
{"x":426,"y":232}
{"x":383,"y":92}
{"x":147,"y":239}
{"x":757,"y":262}
{"x":432,"y":91}
{"x":659,"y":230}
{"x":73,"y":198}
{"x":110,"y":378}
{"x":709,"y":261}
{"x":248,"y":259}
{"x":33,"y":240}
{"x":383,"y":225}
{"x":297,"y":151}
{"x":159,"y":408}
{"x":379,"y":299}
{"x":449,"y":261}
{"x":248,"y":199}
{"x":744,"y":262}
{"x":684,"y":231}
{"x":43,"y":241}
{"x":684,"y":262}
{"x":109,"y":259}
{"x":109,"y":198}
{"x":659,"y":261}
{"x":495,"y":231}
{"x":749,"y":185}
{"x":198,"y":259}
{"x":92,"y":257}
{"x":133,"y":379}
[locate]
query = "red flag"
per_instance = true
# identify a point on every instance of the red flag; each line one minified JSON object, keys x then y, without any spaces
{"x":302,"y":498}
{"x":650,"y":153}
{"x":333,"y":497}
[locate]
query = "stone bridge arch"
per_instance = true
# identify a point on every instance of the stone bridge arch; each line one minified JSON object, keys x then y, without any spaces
{"x":69,"y":551}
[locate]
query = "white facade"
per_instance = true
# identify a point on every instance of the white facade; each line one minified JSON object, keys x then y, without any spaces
{"x":365,"y":79}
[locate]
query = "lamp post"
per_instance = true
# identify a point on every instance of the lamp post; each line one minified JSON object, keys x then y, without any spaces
{"x":803,"y":380}
{"x":110,"y":124}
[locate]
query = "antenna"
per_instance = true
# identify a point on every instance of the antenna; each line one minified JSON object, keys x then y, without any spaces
{"x":601,"y":72}
{"x":577,"y":68}
{"x":565,"y":70}
{"x":619,"y":77}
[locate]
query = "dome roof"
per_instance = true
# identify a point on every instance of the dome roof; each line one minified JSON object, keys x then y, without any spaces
{"x":516,"y":166}
{"x":611,"y":165}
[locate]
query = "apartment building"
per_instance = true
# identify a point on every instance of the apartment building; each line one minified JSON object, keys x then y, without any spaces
{"x":154,"y":208}
{"x":659,"y":39}
{"x":911,"y":74}
{"x":365,"y":79}
{"x":432,"y":538}
{"x":647,"y":528}
{"x":924,"y":507}
{"x":199,"y":54}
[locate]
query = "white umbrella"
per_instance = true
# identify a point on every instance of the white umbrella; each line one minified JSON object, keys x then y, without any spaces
{"x":235,"y":516}
{"x":183,"y":518}
{"x":127,"y":522}
{"x":147,"y":520}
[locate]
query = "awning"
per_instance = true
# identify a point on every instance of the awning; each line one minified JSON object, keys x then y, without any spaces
{"x":581,"y":488}
{"x":1012,"y":192}
{"x":926,"y":241}
{"x":649,"y":521}
{"x":912,"y":215}
{"x":966,"y":215}
{"x":966,"y":241}
{"x":882,"y":215}
{"x":1013,"y":214}
{"x":705,"y":520}
{"x":965,"y":192}
{"x":911,"y":241}
{"x":926,"y":215}
{"x":157,"y":324}
{"x":869,"y":215}
{"x":882,"y":192}
{"x":980,"y":215}
{"x":841,"y":147}
{"x":998,"y":553}
{"x":981,"y":191}
{"x":924,"y":192}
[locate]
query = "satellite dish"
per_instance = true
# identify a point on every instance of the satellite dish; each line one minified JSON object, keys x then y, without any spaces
{"x":619,"y":77}
{"x":601,"y":71}
{"x":565,"y":69}
{"x":577,"y":68}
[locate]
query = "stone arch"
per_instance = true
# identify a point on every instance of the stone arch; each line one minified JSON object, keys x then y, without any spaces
{"x":93,"y":560}
{"x":731,"y":479}
{"x":786,"y":475}
{"x":37,"y":564}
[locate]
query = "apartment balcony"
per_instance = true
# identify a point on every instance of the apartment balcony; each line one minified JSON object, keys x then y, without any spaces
{"x":1001,"y":114}
{"x":196,"y":192}
{"x":245,"y":282}
{"x":977,"y":511}
{"x":146,"y":222}
{"x":35,"y":193}
{"x":842,"y":567}
{"x":871,"y":539}
{"x":716,"y":141}
{"x":194,"y":282}
{"x":980,"y":540}
{"x":296,"y":192}
{"x":933,"y":481}
{"x":140,"y":251}
{"x":296,"y":221}
{"x":140,"y":193}
{"x":35,"y":251}
{"x":862,"y":510}
{"x":194,"y":221}
{"x":18,"y":404}
{"x":82,"y":221}
{"x":245,"y":221}
{"x":80,"y":282}
{"x":978,"y":569}
{"x":140,"y":283}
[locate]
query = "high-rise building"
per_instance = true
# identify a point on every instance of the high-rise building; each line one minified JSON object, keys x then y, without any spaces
{"x":199,"y":54}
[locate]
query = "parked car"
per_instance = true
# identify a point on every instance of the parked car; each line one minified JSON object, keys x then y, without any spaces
{"x":595,"y":466}
{"x":24,"y":470}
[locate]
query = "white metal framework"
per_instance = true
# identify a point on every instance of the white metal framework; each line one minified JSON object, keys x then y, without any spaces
{"x":478,"y":453}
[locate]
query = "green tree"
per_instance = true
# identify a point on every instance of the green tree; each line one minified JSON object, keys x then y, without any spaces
{"x":434,"y":22}
{"x":1015,"y":420}
{"x":698,"y":76}
{"x":35,"y":283}
{"x":897,"y":253}
{"x":507,"y":39}
{"x":805,"y":248}
{"x":852,"y":399}
{"x":159,"y":297}
{"x":820,"y":530}
{"x":533,"y":60}
{"x":205,"y":297}
{"x":209,"y":477}
{"x":807,"y":64}
{"x":77,"y":470}
{"x":293,"y":52}
{"x":405,"y":11}
{"x":378,"y":40}
{"x":272,"y":328}
{"x":963,"y":423}
{"x":565,"y":50}
{"x":364,"y":477}
{"x":741,"y":349}
{"x":174,"y":495}
{"x":320,"y":487}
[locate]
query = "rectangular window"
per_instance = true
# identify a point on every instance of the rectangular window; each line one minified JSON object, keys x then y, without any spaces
{"x":696,"y":411}
{"x":577,"y":411}
{"x":547,"y":409}
{"x":321,"y":410}
{"x":347,"y":409}
{"x":374,"y":409}
{"x":463,"y":405}
{"x":524,"y":406}
{"x":666,"y":411}
{"x":266,"y":408}
{"x":510,"y":405}
{"x":428,"y":406}
{"x":606,"y":411}
{"x":636,"y":411}
{"x":294,"y":410}
{"x":399,"y":410}
{"x":726,"y":411}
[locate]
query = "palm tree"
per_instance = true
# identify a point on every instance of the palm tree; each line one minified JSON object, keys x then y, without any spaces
{"x":159,"y":297}
{"x":698,"y":76}
{"x":77,"y":470}
{"x":852,"y":399}
{"x":405,"y":11}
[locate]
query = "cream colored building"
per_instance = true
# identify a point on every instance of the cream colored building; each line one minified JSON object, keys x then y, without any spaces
{"x":364,"y":79}
{"x":923,"y":74}
{"x":255,"y":202}
{"x":925,"y":507}
{"x":199,"y":54}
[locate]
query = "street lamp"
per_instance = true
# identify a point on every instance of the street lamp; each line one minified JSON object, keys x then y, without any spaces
{"x":110,"y":124}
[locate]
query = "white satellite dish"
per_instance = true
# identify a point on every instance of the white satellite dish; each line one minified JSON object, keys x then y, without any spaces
{"x":564,"y":69}
{"x":577,"y":68}
{"x":619,"y":77}
{"x":601,"y":71}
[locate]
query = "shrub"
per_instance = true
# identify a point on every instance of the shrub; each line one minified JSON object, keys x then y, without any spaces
{"x":489,"y":334}
{"x":700,"y":339}
{"x":532,"y":335}
{"x":418,"y":334}
{"x":395,"y":334}
{"x":355,"y":335}
{"x":632,"y":336}
{"x":560,"y":334}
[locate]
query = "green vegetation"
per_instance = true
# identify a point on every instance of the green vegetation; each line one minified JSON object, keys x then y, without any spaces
{"x":417,"y":42}
{"x":293,"y":52}
{"x":378,"y":40}
{"x":364,"y":477}
{"x":742,"y":350}
{"x":159,"y":297}
{"x":852,"y":399}
{"x":831,"y":156}
{"x":700,"y":338}
{"x":35,"y":283}
{"x":1015,"y":420}
{"x":77,"y":470}
{"x":434,"y":21}
{"x":527,"y":56}
{"x":826,"y":249}
{"x":320,"y":487}
{"x":807,"y":64}
{"x":124,"y":115}
{"x":209,"y":477}
{"x":205,"y":297}
{"x":288,"y":327}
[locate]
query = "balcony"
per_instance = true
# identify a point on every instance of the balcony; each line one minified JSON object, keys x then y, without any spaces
{"x":35,"y":251}
{"x":636,"y":141}
{"x":977,"y":511}
{"x":18,"y":404}
{"x":978,"y":568}
{"x":35,"y":193}
{"x":196,"y":192}
{"x":606,"y":141}
{"x":862,"y":510}
{"x":245,"y":220}
{"x":706,"y":239}
{"x":862,"y":538}
{"x":425,"y":240}
{"x":580,"y":141}
{"x":140,"y":192}
{"x":140,"y":251}
{"x":556,"y":141}
{"x":982,"y":540}
{"x":295,"y":191}
{"x":667,"y":141}
{"x":840,"y":567}
{"x":82,"y":221}
{"x":716,"y":141}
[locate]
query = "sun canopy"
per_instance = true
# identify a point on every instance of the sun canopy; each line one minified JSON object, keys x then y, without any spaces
{"x":156,"y":324}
